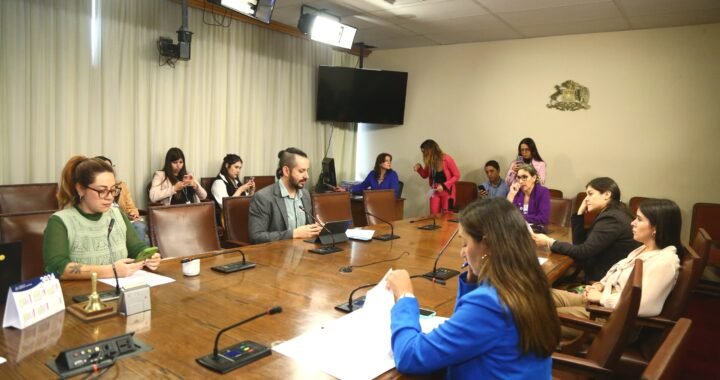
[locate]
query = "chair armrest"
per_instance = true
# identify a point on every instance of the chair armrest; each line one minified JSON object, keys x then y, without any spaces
{"x":579,"y":323}
{"x":579,"y":365}
{"x":233,"y":243}
{"x":597,"y":311}
{"x":655,"y":322}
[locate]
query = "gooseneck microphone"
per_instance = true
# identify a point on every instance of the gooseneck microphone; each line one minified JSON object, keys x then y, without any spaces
{"x":428,"y":227}
{"x":238,"y":355}
{"x":234,"y":266}
{"x":112,"y":257}
{"x":442,"y":273}
{"x":354,"y":304}
{"x":327,"y":249}
{"x":386,"y":237}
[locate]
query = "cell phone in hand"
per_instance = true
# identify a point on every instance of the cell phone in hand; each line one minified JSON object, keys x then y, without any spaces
{"x":426,"y":313}
{"x":481,"y":188}
{"x":187,"y":177}
{"x":146,"y":254}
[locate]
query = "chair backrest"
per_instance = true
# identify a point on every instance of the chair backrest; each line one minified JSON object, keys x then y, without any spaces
{"x":560,"y":211}
{"x":380,"y":203}
{"x":261,"y":181}
{"x":690,"y":273}
{"x":331,"y":207}
{"x":28,"y":197}
{"x":589,"y":216}
{"x":665,"y":364}
{"x":401,"y":185}
{"x":27,"y":228}
{"x":702,"y":244}
{"x":183,"y":230}
{"x":236,"y":212}
{"x":465,"y":193}
{"x":611,"y":340}
{"x":707,"y":216}
{"x":555,"y":193}
{"x":206,"y":183}
{"x":635,"y":203}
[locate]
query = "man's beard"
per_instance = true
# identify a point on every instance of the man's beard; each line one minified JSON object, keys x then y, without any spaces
{"x":297,"y":184}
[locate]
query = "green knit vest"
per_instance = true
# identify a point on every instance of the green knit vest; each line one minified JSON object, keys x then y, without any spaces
{"x":88,"y":239}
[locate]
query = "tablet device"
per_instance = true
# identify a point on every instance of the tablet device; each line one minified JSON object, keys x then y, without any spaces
{"x":336,"y":229}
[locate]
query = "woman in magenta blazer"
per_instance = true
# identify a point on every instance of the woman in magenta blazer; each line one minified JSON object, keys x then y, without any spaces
{"x":441,"y":172}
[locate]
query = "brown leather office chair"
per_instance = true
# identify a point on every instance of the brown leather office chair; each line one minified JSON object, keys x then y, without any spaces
{"x":665,"y":364}
{"x":465,"y":193}
{"x":554,"y":193}
{"x":184,"y":230}
{"x":28,"y":197}
{"x":611,"y":337}
{"x":261,"y":181}
{"x":703,"y":244}
{"x":380,"y":203}
{"x":560,"y":211}
{"x":27,"y":228}
{"x":331,"y":207}
{"x":707,"y":216}
{"x":236,"y":212}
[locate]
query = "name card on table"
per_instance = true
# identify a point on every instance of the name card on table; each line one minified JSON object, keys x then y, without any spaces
{"x":32,"y":301}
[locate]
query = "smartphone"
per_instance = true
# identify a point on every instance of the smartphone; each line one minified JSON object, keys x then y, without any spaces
{"x":481,"y":188}
{"x":426,"y":313}
{"x":187,"y":177}
{"x":146,"y":254}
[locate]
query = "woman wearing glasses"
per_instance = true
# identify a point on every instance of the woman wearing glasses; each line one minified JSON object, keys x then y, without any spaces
{"x":527,"y":154}
{"x":529,"y":196}
{"x":89,"y":235}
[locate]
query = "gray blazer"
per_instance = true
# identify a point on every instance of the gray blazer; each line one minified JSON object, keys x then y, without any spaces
{"x":268,"y":215}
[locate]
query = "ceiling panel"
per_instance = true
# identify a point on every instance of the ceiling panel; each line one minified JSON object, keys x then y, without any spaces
{"x":503,"y":6}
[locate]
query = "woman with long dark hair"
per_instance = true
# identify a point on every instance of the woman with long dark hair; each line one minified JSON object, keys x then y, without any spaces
{"x":173,"y":184}
{"x":227,"y":183}
{"x":382,"y":177}
{"x":608,"y":239}
{"x":504,"y":324}
{"x":78,"y":240}
{"x":442,"y":173}
{"x":657,"y":227}
{"x":527,"y":154}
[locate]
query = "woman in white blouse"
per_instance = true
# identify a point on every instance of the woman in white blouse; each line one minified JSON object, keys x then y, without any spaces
{"x":657,"y":227}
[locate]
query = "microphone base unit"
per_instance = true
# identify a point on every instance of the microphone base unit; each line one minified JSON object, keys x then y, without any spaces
{"x":441,"y":274}
{"x":102,"y":354}
{"x":234,"y":267}
{"x":357,"y":304}
{"x":234,"y":357}
{"x":325,"y":250}
{"x":429,"y":227}
{"x":386,"y":237}
{"x":106,"y":296}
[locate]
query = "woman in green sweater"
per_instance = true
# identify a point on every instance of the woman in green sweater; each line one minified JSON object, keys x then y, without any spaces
{"x":89,"y":235}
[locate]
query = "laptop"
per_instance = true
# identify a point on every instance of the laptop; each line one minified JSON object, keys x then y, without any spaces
{"x":10,"y":267}
{"x":333,"y":230}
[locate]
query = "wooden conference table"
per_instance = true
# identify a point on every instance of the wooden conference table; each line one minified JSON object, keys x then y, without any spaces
{"x":187,"y":313}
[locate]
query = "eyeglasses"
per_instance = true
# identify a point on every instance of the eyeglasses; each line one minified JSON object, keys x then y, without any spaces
{"x":115,"y":191}
{"x":523,"y":177}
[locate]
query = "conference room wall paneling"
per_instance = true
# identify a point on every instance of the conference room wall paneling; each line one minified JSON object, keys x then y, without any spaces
{"x":652,"y":126}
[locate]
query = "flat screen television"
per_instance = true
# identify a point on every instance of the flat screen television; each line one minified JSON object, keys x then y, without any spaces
{"x":347,"y":94}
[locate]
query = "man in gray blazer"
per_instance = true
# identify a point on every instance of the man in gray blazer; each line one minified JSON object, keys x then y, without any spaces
{"x":281,"y":211}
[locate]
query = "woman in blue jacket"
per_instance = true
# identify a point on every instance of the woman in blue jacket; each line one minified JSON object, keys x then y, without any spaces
{"x":382,"y":177}
{"x":504,"y":325}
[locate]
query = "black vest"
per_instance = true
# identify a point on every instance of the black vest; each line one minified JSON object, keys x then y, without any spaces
{"x":229,"y":187}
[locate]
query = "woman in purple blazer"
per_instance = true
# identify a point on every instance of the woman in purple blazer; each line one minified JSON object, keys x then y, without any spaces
{"x":534,"y":199}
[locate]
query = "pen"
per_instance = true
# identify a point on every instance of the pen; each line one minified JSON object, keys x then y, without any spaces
{"x":465,"y":264}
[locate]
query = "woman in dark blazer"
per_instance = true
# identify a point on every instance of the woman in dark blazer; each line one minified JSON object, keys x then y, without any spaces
{"x":608,"y":240}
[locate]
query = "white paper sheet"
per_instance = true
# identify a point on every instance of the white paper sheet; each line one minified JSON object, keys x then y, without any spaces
{"x":355,"y":346}
{"x":542,"y":260}
{"x":359,"y":234}
{"x":139,"y":277}
{"x":2,"y":360}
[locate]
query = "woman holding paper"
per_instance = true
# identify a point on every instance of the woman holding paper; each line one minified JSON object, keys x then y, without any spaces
{"x":504,"y":325}
{"x":89,"y":235}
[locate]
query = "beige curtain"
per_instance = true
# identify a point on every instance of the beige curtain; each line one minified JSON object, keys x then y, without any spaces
{"x":83,"y":77}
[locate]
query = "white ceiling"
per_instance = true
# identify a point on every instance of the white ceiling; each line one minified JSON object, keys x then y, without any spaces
{"x":412,"y":23}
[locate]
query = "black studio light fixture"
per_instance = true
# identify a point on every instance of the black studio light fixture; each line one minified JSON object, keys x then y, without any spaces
{"x":260,"y":10}
{"x":324,"y":27}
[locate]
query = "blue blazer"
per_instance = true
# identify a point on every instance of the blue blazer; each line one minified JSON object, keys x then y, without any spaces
{"x":390,"y":181}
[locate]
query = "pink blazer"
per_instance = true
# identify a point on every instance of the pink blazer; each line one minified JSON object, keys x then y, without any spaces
{"x":451,"y":173}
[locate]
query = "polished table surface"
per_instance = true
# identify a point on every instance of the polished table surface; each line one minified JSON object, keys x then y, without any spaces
{"x":187,"y":313}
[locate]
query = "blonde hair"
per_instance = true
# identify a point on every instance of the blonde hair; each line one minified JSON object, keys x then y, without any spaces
{"x":432,"y":154}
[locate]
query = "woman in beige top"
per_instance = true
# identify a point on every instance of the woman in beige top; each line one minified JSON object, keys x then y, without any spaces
{"x":174,"y":184}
